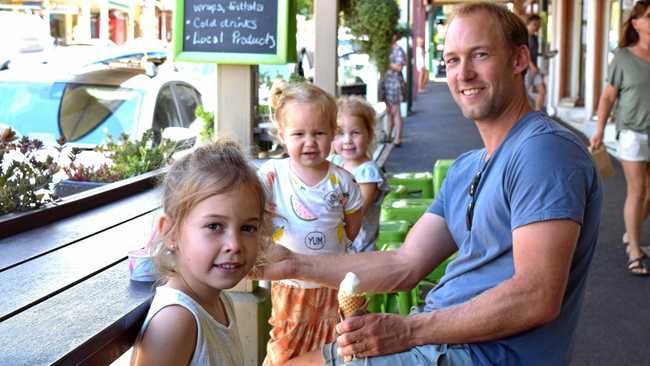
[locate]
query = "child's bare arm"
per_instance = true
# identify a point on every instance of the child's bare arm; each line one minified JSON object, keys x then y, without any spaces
{"x":369,"y":192}
{"x":353,"y":223}
{"x":169,"y":339}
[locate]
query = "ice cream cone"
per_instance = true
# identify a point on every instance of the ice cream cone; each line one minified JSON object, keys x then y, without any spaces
{"x":352,"y":305}
{"x":351,"y":302}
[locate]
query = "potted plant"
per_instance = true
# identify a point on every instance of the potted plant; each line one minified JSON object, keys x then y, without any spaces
{"x":124,"y":158}
{"x":27,"y":174}
{"x":207,"y":128}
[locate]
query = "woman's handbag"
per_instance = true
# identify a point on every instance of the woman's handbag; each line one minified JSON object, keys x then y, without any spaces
{"x":603,"y":161}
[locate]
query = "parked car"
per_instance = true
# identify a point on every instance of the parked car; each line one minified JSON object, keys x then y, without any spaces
{"x":352,"y":65}
{"x":82,"y":106}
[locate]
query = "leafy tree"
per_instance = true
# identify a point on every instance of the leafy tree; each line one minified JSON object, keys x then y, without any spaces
{"x":373,"y":23}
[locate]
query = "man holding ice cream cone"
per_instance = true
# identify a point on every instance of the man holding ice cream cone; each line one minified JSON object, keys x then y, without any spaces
{"x":522,"y":213}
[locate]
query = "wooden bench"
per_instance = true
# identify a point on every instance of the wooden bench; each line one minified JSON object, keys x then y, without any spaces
{"x":65,"y":288}
{"x":66,"y":295}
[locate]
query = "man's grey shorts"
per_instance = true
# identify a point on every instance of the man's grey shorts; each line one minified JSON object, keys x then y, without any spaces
{"x":432,"y":354}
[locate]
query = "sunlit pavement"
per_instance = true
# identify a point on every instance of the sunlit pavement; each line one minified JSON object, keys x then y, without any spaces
{"x":615,"y":325}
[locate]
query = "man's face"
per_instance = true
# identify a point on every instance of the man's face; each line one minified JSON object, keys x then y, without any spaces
{"x":480,"y":70}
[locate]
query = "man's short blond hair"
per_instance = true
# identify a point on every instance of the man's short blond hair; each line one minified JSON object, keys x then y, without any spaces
{"x":512,"y":27}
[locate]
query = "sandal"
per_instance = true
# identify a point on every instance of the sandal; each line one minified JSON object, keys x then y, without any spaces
{"x":637,"y":266}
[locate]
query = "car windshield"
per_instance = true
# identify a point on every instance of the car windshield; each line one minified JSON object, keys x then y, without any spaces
{"x":82,"y":114}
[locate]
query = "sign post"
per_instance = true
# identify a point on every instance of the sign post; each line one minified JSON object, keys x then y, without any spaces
{"x":235,"y":34}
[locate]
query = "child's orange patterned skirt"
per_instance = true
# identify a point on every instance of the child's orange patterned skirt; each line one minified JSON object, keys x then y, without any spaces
{"x":303,"y":320}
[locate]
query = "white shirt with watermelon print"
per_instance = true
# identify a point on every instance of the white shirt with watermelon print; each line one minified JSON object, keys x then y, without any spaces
{"x":309,"y":219}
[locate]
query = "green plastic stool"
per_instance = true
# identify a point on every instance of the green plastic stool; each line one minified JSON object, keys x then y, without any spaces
{"x":430,"y":281}
{"x":418,"y":183}
{"x":376,"y":303}
{"x":396,"y":192}
{"x":421,"y":290}
{"x":409,"y":209}
{"x":392,"y":231}
{"x":397,"y":303}
{"x":440,"y":169}
{"x":388,"y":246}
{"x":437,"y":273}
{"x":404,"y":302}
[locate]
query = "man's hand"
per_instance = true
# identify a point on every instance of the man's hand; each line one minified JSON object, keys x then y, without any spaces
{"x":278,"y":263}
{"x":374,"y":335}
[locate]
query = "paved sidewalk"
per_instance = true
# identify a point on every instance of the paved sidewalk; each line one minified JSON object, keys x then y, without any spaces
{"x":615,"y":325}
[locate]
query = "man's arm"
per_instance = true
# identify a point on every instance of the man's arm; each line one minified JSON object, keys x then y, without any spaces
{"x":542,"y":254}
{"x":427,"y":245}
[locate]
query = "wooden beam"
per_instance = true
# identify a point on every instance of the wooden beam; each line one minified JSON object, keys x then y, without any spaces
{"x":234,"y":112}
{"x":325,"y":58}
{"x":599,"y":51}
{"x":565,"y":46}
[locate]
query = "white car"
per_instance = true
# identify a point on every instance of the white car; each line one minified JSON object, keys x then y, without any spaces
{"x":83,"y":106}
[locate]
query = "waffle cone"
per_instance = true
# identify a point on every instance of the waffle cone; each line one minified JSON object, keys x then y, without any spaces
{"x":352,"y":305}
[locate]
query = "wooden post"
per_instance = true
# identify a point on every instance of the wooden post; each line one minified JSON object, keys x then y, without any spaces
{"x":325,"y":58}
{"x":234,"y":108}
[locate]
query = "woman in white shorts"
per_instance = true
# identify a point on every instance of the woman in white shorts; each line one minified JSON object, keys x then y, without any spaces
{"x":628,"y":82}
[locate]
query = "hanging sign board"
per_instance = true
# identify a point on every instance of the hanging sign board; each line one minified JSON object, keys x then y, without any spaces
{"x":234,"y":32}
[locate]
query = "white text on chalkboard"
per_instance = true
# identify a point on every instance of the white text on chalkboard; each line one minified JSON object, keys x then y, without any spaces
{"x":249,"y":39}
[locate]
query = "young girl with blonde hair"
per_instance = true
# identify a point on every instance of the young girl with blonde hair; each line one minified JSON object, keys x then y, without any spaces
{"x":353,"y":144}
{"x":317,"y":211}
{"x":213,"y":226}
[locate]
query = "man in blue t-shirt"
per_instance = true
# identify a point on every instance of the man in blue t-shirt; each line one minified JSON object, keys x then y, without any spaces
{"x":522,"y":213}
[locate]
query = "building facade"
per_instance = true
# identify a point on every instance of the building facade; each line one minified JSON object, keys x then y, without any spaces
{"x":101,"y":21}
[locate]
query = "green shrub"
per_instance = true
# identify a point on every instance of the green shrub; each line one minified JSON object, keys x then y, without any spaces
{"x":207,"y":130}
{"x":373,"y":23}
{"x":26,"y":174}
{"x":128,"y":158}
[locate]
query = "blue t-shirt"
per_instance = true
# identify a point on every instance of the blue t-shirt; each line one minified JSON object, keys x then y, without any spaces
{"x":540,"y":172}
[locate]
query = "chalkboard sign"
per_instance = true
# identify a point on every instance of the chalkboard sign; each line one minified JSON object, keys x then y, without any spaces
{"x":235,"y":31}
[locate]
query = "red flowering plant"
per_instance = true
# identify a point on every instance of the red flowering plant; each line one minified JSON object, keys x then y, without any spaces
{"x":27,"y":173}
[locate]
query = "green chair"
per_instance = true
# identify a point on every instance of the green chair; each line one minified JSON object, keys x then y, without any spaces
{"x":418,"y":184}
{"x":437,"y":273}
{"x":440,"y":169}
{"x":376,"y":303}
{"x":396,"y":192}
{"x":392,"y":231}
{"x":430,"y":281}
{"x":409,"y":209}
{"x":397,"y":303}
{"x":388,"y":246}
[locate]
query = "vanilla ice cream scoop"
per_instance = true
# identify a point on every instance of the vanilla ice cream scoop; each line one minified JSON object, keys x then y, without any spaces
{"x":349,"y":284}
